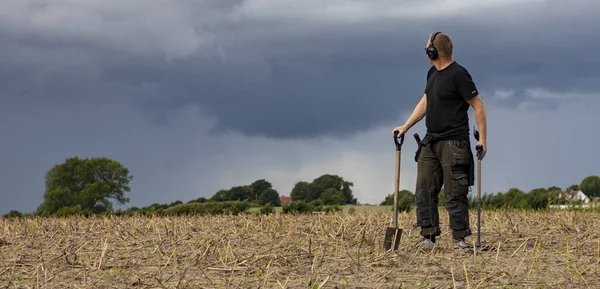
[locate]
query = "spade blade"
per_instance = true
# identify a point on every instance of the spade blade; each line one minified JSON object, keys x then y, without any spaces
{"x":392,"y":237}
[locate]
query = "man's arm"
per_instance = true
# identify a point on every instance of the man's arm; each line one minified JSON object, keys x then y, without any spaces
{"x":480,"y":117}
{"x":469,"y":92}
{"x":418,"y":113}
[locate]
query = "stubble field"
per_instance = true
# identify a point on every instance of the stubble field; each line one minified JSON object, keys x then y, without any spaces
{"x":341,"y":250}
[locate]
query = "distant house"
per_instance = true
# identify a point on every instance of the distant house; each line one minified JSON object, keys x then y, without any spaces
{"x":575,"y":196}
{"x":285,"y":200}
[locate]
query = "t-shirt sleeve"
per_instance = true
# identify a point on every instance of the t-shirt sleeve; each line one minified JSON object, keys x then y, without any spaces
{"x":465,"y":85}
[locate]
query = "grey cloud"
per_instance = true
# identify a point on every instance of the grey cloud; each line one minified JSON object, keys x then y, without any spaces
{"x":527,"y":149}
{"x":306,"y":76}
{"x":173,"y":29}
{"x":111,"y":78}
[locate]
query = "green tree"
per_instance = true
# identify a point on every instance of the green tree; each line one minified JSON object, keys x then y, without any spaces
{"x":236,"y":193}
{"x":311,"y":191}
{"x":13,"y":214}
{"x":251,"y":193}
{"x":406,"y":200}
{"x":347,"y":191}
{"x":590,"y":186}
{"x":269,"y":196}
{"x":221,"y":196}
{"x":331,"y":196}
{"x":537,"y":199}
{"x":554,"y":198}
{"x":85,"y":184}
{"x":198,"y":200}
{"x":389,"y":199}
{"x":260,"y":186}
{"x":554,"y":188}
{"x":178,"y":202}
{"x":301,"y":191}
{"x":326,"y":181}
{"x":515,"y":198}
{"x":240,"y":193}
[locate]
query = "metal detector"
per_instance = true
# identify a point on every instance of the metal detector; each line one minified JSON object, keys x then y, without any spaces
{"x":479,"y":149}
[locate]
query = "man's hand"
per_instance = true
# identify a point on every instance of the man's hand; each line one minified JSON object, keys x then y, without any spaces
{"x":400,"y":129}
{"x":484,"y":145}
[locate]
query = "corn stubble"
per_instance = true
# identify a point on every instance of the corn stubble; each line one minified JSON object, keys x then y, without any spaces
{"x":339,"y":250}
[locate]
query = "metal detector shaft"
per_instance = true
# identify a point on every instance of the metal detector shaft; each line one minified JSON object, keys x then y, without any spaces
{"x":479,"y":149}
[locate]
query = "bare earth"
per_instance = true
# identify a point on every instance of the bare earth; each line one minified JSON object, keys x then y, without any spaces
{"x":546,"y":249}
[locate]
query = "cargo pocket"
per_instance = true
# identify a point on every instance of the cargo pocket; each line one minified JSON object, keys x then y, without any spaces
{"x":461,"y":154}
{"x":460,"y":183}
{"x":458,"y":162}
{"x":460,"y":178}
{"x":461,"y":159}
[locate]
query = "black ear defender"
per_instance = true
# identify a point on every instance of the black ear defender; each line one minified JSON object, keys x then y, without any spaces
{"x":431,"y":51}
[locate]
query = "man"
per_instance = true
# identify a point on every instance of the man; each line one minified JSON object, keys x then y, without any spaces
{"x":445,"y":156}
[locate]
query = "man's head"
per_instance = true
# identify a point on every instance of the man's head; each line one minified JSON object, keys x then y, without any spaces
{"x":440,"y":49}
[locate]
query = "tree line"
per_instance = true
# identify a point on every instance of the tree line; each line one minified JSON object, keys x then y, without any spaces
{"x":90,"y":186}
{"x":514,"y":198}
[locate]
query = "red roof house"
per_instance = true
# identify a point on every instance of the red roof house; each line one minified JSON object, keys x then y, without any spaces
{"x":285,"y":200}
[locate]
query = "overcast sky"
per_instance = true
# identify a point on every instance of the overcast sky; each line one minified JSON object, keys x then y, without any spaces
{"x":196,"y":96}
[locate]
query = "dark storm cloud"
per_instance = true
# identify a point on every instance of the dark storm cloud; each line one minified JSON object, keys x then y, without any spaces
{"x":300,"y":74}
{"x":130,"y":80}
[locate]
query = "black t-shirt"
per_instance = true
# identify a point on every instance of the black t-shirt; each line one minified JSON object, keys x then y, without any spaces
{"x":447,"y":91}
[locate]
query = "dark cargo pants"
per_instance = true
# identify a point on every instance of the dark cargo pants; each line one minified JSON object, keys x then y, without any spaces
{"x":444,"y":163}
